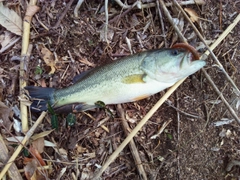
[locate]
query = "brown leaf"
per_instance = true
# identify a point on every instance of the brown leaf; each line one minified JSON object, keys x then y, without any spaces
{"x":10,"y":20}
{"x":193,"y":15}
{"x":6,"y":38}
{"x":37,"y":155}
{"x":48,"y":57}
{"x":30,"y":169}
{"x":38,"y":144}
{"x":5,"y":113}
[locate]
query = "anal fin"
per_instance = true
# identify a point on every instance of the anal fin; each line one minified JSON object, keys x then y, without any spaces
{"x":140,"y":97}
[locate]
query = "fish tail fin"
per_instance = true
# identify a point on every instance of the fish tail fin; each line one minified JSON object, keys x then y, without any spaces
{"x":41,"y":97}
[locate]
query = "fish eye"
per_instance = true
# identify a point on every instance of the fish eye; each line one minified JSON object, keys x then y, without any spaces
{"x":174,"y":52}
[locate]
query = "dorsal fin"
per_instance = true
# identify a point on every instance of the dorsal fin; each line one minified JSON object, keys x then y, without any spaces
{"x":80,"y":76}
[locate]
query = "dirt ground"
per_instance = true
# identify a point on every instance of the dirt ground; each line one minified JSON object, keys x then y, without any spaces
{"x":192,"y":146}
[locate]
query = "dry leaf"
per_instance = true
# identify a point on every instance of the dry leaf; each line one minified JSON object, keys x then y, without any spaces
{"x":5,"y":38}
{"x":193,"y":15}
{"x":37,"y":155}
{"x":38,"y":144}
{"x":4,"y":156}
{"x":48,"y":57}
{"x":5,"y":113}
{"x":10,"y":20}
{"x":42,"y":134}
{"x":30,"y":169}
{"x":81,"y":149}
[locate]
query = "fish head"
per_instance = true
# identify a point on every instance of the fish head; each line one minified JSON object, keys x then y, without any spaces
{"x":170,"y":65}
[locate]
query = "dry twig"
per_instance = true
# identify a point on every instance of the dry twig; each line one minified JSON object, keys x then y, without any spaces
{"x":132,"y":145}
{"x":77,"y":7}
{"x":141,"y":5}
{"x":63,"y":14}
{"x":162,"y":24}
{"x":31,"y":10}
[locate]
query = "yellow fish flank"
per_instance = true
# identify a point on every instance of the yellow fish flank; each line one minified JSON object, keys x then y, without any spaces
{"x":125,"y":80}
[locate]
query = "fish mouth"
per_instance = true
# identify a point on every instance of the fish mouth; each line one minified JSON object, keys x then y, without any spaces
{"x":186,"y":59}
{"x":189,"y":61}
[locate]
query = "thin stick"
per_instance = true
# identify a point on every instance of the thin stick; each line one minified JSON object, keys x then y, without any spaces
{"x":25,"y":46}
{"x":132,"y":145}
{"x":19,"y":148}
{"x":169,"y":17}
{"x":63,"y":14}
{"x":233,"y":113}
{"x":162,"y":24}
{"x":77,"y":8}
{"x":165,"y":124}
{"x":106,"y":23}
{"x":12,"y":42}
{"x":141,"y":5}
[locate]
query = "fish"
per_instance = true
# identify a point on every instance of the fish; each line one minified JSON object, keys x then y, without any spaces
{"x":128,"y":79}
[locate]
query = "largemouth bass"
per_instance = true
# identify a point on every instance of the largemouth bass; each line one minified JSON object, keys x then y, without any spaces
{"x":126,"y":80}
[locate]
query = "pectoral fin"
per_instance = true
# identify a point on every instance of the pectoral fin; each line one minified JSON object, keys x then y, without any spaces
{"x":83,"y":107}
{"x":135,"y":78}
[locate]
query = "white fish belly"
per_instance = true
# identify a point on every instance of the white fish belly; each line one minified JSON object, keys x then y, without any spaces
{"x":134,"y":92}
{"x":118,"y":92}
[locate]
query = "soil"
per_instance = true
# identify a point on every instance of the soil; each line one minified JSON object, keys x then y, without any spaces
{"x":191,"y":146}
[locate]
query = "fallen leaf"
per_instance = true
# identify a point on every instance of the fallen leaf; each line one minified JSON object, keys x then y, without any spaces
{"x":5,"y":38}
{"x":193,"y":15}
{"x":48,"y":58}
{"x":30,"y":169}
{"x":38,"y":144}
{"x":4,"y":156}
{"x":37,"y":155}
{"x":42,"y":134}
{"x":5,"y":113}
{"x":10,"y":20}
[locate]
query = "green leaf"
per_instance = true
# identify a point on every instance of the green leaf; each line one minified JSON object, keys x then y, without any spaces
{"x":100,"y":104}
{"x":25,"y":152}
{"x":169,"y":136}
{"x":50,"y":109}
{"x":71,"y":119}
{"x":38,"y":70}
{"x":54,"y":121}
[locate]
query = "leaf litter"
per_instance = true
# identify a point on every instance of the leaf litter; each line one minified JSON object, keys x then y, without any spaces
{"x":173,"y":150}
